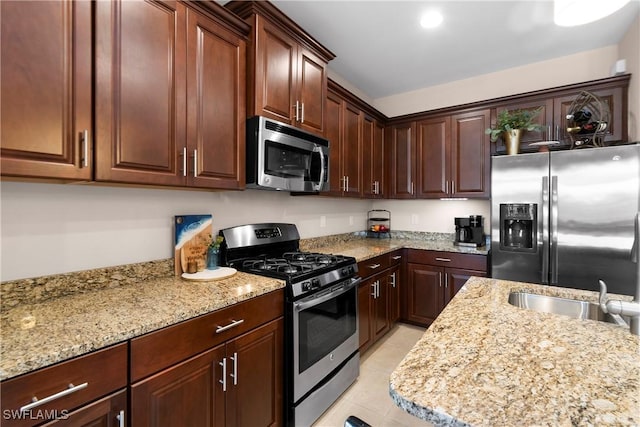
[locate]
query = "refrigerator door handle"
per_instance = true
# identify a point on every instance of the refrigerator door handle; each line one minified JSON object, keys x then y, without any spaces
{"x":545,"y":231}
{"x":554,"y":230}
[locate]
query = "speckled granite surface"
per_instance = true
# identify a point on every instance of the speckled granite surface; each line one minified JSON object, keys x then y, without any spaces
{"x":363,"y":248}
{"x":484,"y":362}
{"x":40,"y":334}
{"x":50,"y":319}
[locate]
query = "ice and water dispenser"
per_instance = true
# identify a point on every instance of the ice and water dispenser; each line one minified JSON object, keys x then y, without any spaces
{"x":518,"y":227}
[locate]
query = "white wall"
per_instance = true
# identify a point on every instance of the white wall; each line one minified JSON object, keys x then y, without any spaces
{"x":629,"y":49}
{"x":51,"y":228}
{"x":433,"y":215}
{"x":584,"y":66}
{"x":54,"y":228}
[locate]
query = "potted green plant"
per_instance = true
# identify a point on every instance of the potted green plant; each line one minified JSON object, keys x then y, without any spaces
{"x":511,"y":124}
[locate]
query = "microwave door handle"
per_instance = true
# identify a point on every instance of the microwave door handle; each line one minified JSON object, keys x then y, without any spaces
{"x":318,"y":149}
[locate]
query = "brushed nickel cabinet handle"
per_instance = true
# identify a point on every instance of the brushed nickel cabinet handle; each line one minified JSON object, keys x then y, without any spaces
{"x":85,"y":148}
{"x":120,"y":418}
{"x":195,"y":163}
{"x":235,"y":368}
{"x":184,"y":161}
{"x":374,"y":266}
{"x":35,"y":402}
{"x":397,"y":257}
{"x":373,"y":285}
{"x":233,"y":324}
{"x":302,"y":112}
{"x":443,"y":259}
{"x":223,"y":381}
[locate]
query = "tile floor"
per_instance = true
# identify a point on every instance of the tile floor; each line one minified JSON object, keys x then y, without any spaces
{"x":368,"y":398}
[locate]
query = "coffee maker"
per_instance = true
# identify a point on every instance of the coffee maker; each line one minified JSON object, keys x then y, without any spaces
{"x":469,"y":231}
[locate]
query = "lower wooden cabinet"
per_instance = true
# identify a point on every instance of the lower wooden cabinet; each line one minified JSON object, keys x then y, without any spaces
{"x":237,"y":383}
{"x":378,"y":297}
{"x":70,"y":393}
{"x":109,"y":411}
{"x":431,"y":284}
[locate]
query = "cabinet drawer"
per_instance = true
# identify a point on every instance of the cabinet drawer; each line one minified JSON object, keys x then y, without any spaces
{"x":448,"y":259}
{"x":396,"y":257}
{"x":158,"y":350}
{"x":374,"y":265}
{"x":102,"y":371}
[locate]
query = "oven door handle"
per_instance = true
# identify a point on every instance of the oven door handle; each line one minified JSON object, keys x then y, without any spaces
{"x":303,"y":305}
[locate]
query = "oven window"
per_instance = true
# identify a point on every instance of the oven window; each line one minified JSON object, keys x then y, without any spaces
{"x":325,"y":326}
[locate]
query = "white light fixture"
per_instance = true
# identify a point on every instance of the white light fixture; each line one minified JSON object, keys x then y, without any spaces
{"x":569,"y":13}
{"x":431,"y":19}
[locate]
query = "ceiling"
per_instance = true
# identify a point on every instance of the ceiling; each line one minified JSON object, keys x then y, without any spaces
{"x":381,"y":48}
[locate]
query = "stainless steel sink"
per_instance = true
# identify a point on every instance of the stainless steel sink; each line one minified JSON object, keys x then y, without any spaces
{"x":564,"y":306}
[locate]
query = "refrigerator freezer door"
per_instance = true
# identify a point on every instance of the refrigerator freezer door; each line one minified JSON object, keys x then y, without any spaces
{"x":517,"y":183}
{"x":592,"y":223}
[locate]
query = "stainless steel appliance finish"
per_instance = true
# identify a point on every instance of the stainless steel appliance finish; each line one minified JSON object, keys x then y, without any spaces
{"x":283,"y":157}
{"x":321,"y":313}
{"x":566,"y":218}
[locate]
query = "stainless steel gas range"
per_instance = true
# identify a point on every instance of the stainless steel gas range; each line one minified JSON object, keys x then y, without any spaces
{"x":321,"y":313}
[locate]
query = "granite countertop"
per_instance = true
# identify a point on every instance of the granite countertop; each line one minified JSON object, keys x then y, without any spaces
{"x":38,"y":335}
{"x":365,"y":248}
{"x":484,"y":362}
{"x":50,"y":319}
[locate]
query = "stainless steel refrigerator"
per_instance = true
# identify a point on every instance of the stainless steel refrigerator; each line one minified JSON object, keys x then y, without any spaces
{"x":566,"y":218}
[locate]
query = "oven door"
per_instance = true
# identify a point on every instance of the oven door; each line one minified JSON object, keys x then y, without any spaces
{"x":325,"y":334}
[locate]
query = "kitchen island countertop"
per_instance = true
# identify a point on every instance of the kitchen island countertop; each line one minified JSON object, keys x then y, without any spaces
{"x":484,"y":362}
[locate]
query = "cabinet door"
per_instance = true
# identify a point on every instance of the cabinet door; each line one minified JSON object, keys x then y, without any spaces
{"x":613,"y":97}
{"x":379,"y":162}
{"x":46,"y":102}
{"x":109,"y":411}
{"x":140,"y":92}
{"x":433,"y":147}
{"x":365,"y":292}
{"x":394,"y":281}
{"x":333,"y":127}
{"x":312,"y":90}
{"x":275,"y":73}
{"x":470,"y":155}
{"x":372,"y":158}
{"x":545,"y":118}
{"x":380,"y":307}
{"x":401,"y":149}
{"x":455,"y":280}
{"x":187,"y":394}
{"x":255,"y":373}
{"x":424,"y":293}
{"x":216,"y":107}
{"x":351,"y":150}
{"x":368,"y":184}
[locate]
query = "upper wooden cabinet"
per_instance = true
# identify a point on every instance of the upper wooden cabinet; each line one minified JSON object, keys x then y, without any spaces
{"x":440,"y":157}
{"x":356,"y":145}
{"x":287,"y":68}
{"x":555,"y":104}
{"x":46,"y":102}
{"x":401,"y":152}
{"x":172,"y":112}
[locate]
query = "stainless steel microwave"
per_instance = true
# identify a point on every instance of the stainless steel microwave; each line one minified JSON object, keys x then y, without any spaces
{"x":282,"y":157}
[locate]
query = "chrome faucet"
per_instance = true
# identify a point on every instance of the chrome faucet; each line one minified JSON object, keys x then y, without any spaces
{"x":626,"y":308}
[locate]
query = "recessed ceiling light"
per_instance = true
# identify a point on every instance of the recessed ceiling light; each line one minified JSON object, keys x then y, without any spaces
{"x":568,"y":13}
{"x":431,"y":19}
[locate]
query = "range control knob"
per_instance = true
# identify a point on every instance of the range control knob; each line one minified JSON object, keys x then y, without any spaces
{"x":344,"y":271}
{"x":306,"y":286}
{"x":315,"y":283}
